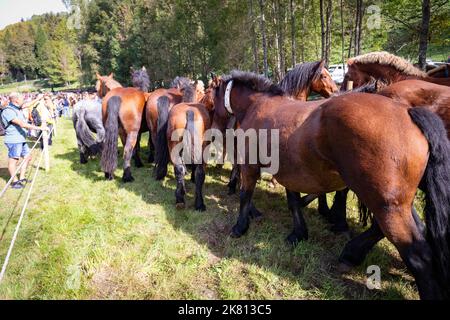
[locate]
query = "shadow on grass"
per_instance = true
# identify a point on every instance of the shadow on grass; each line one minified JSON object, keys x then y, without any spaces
{"x":312,"y":264}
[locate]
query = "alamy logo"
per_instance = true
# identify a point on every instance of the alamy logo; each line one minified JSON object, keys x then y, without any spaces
{"x":374,"y":277}
{"x":238,"y":147}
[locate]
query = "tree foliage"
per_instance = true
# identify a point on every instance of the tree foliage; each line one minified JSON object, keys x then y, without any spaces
{"x":193,"y":38}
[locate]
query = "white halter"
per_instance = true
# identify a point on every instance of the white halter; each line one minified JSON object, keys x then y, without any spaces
{"x":227,"y":97}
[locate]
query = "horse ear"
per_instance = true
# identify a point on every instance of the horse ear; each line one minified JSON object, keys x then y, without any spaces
{"x":143,"y":68}
{"x":99,"y":77}
{"x":131,"y":69}
{"x":350,"y":61}
{"x":111,"y":75}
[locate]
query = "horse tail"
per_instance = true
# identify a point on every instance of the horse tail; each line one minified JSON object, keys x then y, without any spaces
{"x":84,"y":134}
{"x":436,"y":186}
{"x":162,"y":149}
{"x":109,"y":153}
{"x":190,"y":138}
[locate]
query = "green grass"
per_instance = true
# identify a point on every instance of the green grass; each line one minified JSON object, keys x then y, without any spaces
{"x":32,"y":86}
{"x":86,"y":238}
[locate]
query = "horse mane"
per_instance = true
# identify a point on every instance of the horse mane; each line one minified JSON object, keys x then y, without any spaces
{"x":371,"y":87}
{"x":388,"y":59}
{"x":299,"y":79}
{"x":188,"y":93}
{"x":254,"y":81}
{"x":140,"y":79}
{"x":180,"y":82}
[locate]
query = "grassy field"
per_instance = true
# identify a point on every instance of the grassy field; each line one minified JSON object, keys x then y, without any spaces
{"x":87,"y":238}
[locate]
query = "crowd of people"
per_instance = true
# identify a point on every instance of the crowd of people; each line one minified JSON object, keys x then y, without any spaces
{"x":27,"y":115}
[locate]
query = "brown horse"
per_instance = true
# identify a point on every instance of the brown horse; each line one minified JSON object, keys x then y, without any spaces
{"x":386,"y":67}
{"x":410,"y":94}
{"x":122,"y":110}
{"x":323,"y":148}
{"x":389,"y":69}
{"x":190,"y":120}
{"x":298,"y":84}
{"x":442,"y":71}
{"x":151,"y":108}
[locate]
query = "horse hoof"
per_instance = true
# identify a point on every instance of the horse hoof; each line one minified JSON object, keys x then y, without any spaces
{"x":109,"y":176}
{"x":236,"y":232}
{"x":201,"y":207}
{"x":180,"y":206}
{"x":84,"y":161}
{"x":127,"y":179}
{"x":344,"y":268}
{"x":294,"y":239}
{"x":151,"y":159}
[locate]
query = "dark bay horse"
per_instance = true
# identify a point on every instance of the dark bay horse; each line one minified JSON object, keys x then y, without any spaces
{"x":141,"y":81}
{"x":122,"y":110}
{"x":190,"y":120}
{"x":323,"y":148}
{"x":298,"y":84}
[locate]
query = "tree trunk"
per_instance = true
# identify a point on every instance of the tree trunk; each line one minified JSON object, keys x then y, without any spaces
{"x":276,"y":41}
{"x":342,"y":35}
{"x":303,"y":29}
{"x":322,"y":29}
{"x":281,"y":13}
{"x":264,"y":40}
{"x":329,"y":15}
{"x":423,"y":39}
{"x":358,"y":27}
{"x":293,"y":42}
{"x":253,"y":35}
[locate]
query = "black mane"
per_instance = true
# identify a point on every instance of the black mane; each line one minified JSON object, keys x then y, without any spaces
{"x":300,"y":78}
{"x":255,"y":82}
{"x":140,"y":79}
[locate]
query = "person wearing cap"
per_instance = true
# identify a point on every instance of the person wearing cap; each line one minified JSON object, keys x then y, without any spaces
{"x":16,"y":125}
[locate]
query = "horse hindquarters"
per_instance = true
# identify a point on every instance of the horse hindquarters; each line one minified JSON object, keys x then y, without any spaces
{"x":385,"y":178}
{"x":109,"y":152}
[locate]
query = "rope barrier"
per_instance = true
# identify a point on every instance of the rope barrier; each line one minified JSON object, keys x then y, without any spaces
{"x":21,"y":164}
{"x":16,"y":231}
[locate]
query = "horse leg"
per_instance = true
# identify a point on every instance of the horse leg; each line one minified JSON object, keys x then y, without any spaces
{"x":323,"y":206}
{"x":127,"y":154}
{"x":249,"y":178}
{"x":151,"y":148}
{"x":401,"y":229}
{"x":234,"y":179}
{"x":136,"y":153}
{"x":356,"y":250}
{"x":199,"y":172}
{"x":300,"y":230}
{"x":193,"y":168}
{"x":180,"y":171}
{"x":338,"y":212}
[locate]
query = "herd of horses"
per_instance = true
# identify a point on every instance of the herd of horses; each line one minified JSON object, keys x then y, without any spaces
{"x":384,"y":140}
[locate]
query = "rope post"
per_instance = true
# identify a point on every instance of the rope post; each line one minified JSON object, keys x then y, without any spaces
{"x":349,"y":85}
{"x":45,"y":135}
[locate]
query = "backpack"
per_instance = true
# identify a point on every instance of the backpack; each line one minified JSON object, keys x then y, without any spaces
{"x":2,"y":125}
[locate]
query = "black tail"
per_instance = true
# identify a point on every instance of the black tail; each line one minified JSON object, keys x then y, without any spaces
{"x":84,"y":134}
{"x":436,"y":186}
{"x":161,"y":148}
{"x":109,"y":153}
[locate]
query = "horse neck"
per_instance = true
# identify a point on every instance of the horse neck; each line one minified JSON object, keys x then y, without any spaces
{"x":386,"y":73}
{"x":241,"y":99}
{"x":303,"y":95}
